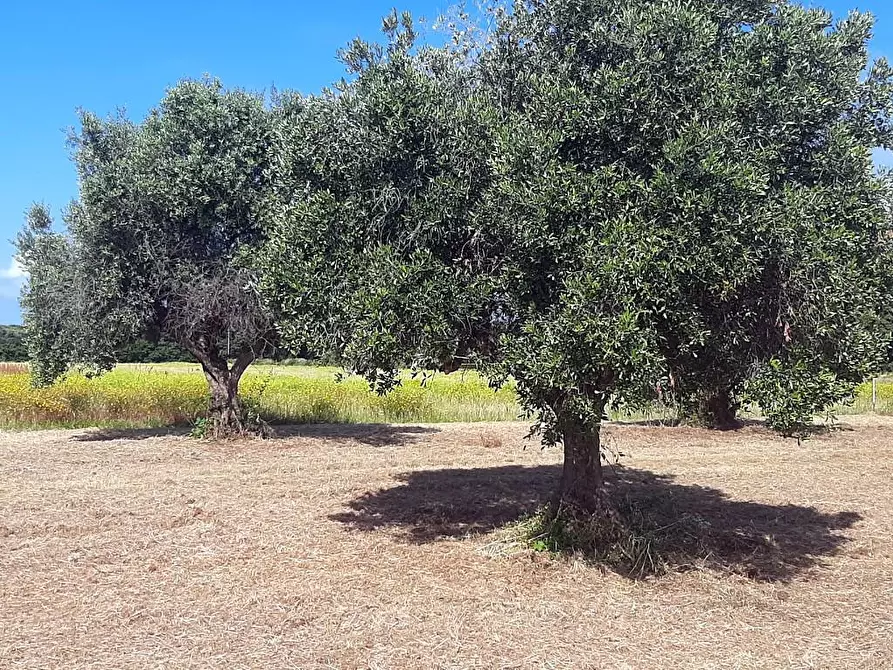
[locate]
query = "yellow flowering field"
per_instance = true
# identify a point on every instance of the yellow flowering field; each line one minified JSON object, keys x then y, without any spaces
{"x":175,"y":394}
{"x":172,"y":394}
{"x":862,"y":403}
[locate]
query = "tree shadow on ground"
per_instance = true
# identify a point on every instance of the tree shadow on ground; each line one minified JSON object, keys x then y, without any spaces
{"x":110,"y":434}
{"x":374,"y":435}
{"x":689,"y":526}
{"x":369,"y":434}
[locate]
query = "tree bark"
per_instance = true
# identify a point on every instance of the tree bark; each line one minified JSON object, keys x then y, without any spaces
{"x":582,"y":479}
{"x":582,"y":490}
{"x":225,"y":410}
{"x":719,"y":411}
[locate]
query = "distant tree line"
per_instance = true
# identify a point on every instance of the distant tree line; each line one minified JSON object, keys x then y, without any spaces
{"x":144,"y":351}
{"x":13,"y":349}
{"x":12,"y":344}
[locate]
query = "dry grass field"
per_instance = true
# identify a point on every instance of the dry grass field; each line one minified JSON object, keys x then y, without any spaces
{"x":377,"y":547}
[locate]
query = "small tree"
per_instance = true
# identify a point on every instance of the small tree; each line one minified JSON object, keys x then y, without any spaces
{"x":51,"y":321}
{"x":158,"y":243}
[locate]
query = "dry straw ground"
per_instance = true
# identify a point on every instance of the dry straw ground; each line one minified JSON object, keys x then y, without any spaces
{"x":372,"y":547}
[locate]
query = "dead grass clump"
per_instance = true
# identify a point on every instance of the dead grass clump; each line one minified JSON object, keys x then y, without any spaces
{"x":491,"y":441}
{"x":629,"y":544}
{"x":13,"y":368}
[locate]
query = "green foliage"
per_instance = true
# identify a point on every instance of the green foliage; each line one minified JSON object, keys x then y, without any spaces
{"x":50,"y":297}
{"x":144,"y":351}
{"x":366,"y":260}
{"x":609,"y":202}
{"x":165,"y":209}
{"x":12,"y":344}
{"x":201,"y":428}
{"x":703,"y":202}
{"x":156,"y":242}
{"x":790,"y":394}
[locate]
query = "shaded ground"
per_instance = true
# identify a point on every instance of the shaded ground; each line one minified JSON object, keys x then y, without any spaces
{"x":369,"y":547}
{"x":690,"y":526}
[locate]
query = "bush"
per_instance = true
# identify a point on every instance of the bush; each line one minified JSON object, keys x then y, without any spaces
{"x":12,"y":344}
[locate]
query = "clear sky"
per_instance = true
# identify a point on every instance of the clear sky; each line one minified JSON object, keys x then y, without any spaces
{"x":57,"y":56}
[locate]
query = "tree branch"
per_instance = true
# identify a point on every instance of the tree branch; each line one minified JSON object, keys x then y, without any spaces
{"x":246,"y":357}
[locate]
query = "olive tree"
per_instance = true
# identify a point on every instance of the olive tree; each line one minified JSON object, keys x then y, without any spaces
{"x":158,"y":242}
{"x":48,"y":301}
{"x":606,"y":202}
{"x":373,"y":256}
{"x":688,"y":193}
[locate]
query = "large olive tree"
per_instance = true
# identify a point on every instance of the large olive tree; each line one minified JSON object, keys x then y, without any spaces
{"x":690,"y":202}
{"x":606,"y":201}
{"x":158,"y":242}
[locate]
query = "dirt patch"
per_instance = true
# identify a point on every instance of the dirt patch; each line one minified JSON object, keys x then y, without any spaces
{"x":365,"y":547}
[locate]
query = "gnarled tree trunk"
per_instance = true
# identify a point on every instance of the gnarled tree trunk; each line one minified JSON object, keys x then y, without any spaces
{"x":224,"y":407}
{"x":225,"y":410}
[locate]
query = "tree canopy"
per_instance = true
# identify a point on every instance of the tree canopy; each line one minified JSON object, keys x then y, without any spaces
{"x":370,"y":220}
{"x":157,"y":241}
{"x":607,"y":202}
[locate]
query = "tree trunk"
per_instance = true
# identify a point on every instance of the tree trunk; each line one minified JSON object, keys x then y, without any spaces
{"x":226,"y":413}
{"x":582,"y":480}
{"x":225,"y":409}
{"x":719,"y":411}
{"x":582,"y":491}
{"x":583,"y":516}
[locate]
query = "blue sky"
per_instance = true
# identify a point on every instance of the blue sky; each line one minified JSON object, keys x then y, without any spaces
{"x":59,"y":56}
